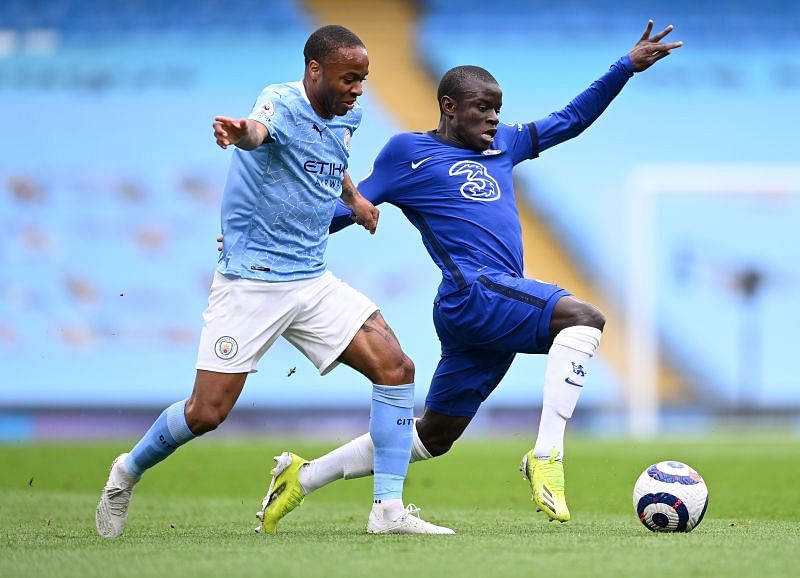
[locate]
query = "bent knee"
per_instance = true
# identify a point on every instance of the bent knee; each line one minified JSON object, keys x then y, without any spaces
{"x":439,"y":442}
{"x":593,"y":317}
{"x":438,"y":448}
{"x":204,"y":419}
{"x":397,"y":371}
{"x":437,"y":445}
{"x":587,"y":315}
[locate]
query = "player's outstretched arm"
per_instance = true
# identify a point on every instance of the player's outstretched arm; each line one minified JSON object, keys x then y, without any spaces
{"x":585,"y":108}
{"x":364,"y":212}
{"x":244,"y":133}
{"x":650,"y":49}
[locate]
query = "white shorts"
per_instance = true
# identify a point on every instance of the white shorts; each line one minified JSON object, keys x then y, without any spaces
{"x":319,"y":316}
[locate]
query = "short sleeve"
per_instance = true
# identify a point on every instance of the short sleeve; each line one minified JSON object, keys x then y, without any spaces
{"x":272,"y":111}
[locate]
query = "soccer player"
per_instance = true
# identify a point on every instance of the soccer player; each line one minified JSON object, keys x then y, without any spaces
{"x":454,"y":184}
{"x":286,"y":174}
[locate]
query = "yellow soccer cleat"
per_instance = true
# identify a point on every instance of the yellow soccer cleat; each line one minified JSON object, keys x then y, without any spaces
{"x":284,"y":494}
{"x":546,"y":478}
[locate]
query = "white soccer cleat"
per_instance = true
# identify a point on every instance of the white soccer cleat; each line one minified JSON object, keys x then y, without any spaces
{"x":112,"y":511}
{"x":409,"y":522}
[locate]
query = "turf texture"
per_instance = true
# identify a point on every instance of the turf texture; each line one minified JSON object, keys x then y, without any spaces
{"x":193,"y":515}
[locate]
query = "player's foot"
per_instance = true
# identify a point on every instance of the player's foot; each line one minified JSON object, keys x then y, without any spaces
{"x":112,"y":511}
{"x":284,"y":494}
{"x":408,"y":522}
{"x":546,"y":478}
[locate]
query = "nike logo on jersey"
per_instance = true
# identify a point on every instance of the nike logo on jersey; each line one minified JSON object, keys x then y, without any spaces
{"x":416,"y":165}
{"x":569,"y":381}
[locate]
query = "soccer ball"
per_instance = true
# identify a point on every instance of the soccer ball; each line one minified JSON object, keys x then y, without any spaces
{"x":670,"y":497}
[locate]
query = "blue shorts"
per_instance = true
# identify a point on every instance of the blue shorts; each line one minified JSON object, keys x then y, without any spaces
{"x":481,"y":330}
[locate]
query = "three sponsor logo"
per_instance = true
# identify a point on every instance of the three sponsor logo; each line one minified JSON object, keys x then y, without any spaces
{"x":479,"y":184}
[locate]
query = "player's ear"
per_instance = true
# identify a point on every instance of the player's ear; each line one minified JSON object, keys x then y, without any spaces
{"x":314,"y":69}
{"x":448,"y":106}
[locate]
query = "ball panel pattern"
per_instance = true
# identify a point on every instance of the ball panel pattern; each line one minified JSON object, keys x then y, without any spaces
{"x":670,"y":497}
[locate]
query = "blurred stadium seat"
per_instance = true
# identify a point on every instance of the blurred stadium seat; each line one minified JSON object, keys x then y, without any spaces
{"x":93,"y":19}
{"x":110,"y":183}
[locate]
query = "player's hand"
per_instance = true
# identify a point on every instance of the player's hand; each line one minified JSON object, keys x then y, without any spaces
{"x":228,"y":131}
{"x":220,"y":238}
{"x":650,"y":49}
{"x":365,"y":213}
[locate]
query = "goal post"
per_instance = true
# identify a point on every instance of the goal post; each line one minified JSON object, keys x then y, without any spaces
{"x":646,"y":184}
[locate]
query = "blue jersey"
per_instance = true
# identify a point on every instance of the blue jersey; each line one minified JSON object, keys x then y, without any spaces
{"x":462,"y":200}
{"x":279,"y":198}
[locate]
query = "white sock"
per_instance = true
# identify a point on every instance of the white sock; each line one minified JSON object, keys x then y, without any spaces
{"x":389,"y":509}
{"x":419,"y":452}
{"x":352,"y":460}
{"x":567,"y":361}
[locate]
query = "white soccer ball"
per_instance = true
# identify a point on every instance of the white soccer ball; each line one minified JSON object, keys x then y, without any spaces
{"x":670,"y":497}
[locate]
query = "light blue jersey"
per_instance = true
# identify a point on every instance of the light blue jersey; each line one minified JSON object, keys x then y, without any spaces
{"x":279,"y":198}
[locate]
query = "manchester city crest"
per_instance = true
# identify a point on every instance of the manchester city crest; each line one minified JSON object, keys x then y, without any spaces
{"x":226,"y":347}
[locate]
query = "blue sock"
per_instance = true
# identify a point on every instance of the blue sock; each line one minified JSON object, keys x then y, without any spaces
{"x":168,"y":433}
{"x":390,"y":425}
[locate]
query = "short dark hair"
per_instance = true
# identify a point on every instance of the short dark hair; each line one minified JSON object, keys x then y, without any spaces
{"x":457,"y":81}
{"x":326,"y":40}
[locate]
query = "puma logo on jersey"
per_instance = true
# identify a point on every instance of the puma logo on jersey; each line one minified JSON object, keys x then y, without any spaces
{"x":479,"y":184}
{"x":416,"y":164}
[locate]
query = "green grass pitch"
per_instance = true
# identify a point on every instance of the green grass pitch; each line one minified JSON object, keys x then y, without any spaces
{"x":194,"y":514}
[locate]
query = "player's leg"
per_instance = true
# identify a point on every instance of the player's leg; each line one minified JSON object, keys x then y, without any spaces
{"x":296,"y":477}
{"x":342,"y":325}
{"x":464,"y":378}
{"x":433,"y":435}
{"x":462,"y":381}
{"x":529,"y":316}
{"x":376,"y":353}
{"x":222,"y":367}
{"x":576,"y":328}
{"x":212,"y":399}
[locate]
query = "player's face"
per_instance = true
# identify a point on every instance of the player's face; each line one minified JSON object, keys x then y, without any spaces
{"x":340,"y":80}
{"x":475,"y":116}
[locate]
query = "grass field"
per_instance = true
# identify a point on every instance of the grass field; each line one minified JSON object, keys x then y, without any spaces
{"x":194,"y":514}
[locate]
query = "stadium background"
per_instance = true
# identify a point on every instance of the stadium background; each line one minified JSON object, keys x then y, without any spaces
{"x":110,"y":184}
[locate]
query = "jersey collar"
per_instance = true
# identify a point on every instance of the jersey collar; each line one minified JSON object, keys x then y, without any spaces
{"x":302,"y":89}
{"x":491,"y":151}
